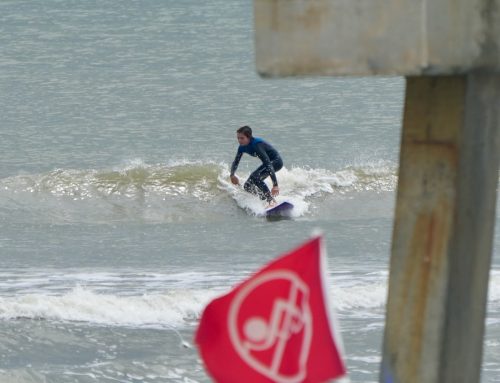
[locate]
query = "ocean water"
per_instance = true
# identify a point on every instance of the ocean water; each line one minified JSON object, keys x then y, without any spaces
{"x":117,"y":220}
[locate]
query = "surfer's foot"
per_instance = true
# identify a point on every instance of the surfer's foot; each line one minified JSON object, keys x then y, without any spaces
{"x":271,"y":204}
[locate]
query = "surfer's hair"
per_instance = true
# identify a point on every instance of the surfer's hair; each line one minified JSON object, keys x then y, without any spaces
{"x":245,"y":130}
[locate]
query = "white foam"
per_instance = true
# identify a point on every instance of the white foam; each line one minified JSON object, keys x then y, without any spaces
{"x":153,"y":299}
{"x":365,"y":295}
{"x":168,"y":300}
{"x":248,"y":202}
{"x":366,"y":359}
{"x":300,"y":185}
{"x":494,"y":291}
{"x":368,"y":293}
{"x":20,"y":282}
{"x":173,"y":308}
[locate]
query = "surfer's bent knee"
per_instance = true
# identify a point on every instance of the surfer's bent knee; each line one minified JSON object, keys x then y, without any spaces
{"x":249,"y":185}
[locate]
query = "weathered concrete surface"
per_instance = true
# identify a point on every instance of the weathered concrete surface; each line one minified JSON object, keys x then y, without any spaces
{"x":364,"y":37}
{"x":443,"y":231}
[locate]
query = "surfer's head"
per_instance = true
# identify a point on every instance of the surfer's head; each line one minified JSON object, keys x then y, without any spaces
{"x":244,"y":135}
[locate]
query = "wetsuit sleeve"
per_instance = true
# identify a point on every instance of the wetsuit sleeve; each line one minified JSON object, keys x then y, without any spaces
{"x":261,"y":153}
{"x":236,"y":162}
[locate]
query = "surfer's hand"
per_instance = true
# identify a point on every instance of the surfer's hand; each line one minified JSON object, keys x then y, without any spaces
{"x":275,"y":191}
{"x":235,"y":180}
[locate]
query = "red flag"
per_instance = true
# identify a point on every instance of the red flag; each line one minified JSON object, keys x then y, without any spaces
{"x":275,"y":326}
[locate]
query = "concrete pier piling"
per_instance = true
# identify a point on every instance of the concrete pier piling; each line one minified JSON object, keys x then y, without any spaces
{"x":443,"y":230}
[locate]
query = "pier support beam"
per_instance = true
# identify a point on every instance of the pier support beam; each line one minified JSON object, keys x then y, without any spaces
{"x":443,"y":231}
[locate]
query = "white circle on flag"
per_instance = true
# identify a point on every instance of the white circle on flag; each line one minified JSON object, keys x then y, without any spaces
{"x":263,"y":326}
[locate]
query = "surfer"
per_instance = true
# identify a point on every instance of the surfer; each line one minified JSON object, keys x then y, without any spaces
{"x":271,"y":163}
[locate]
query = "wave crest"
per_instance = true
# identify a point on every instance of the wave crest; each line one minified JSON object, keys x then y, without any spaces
{"x":172,"y":309}
{"x":172,"y":192}
{"x":199,"y":180}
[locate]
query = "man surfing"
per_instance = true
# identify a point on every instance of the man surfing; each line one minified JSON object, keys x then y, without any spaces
{"x":271,"y":163}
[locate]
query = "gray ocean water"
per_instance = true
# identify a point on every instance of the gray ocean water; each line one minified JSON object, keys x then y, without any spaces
{"x":117,"y":220}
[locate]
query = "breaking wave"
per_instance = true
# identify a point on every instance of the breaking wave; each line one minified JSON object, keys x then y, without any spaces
{"x":171,"y":309}
{"x":164,"y":300}
{"x":136,"y":179}
{"x":174,"y":192}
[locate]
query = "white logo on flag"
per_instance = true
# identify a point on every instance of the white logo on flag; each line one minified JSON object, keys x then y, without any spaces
{"x":261,"y":338}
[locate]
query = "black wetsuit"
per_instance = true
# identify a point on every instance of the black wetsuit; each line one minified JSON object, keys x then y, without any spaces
{"x":271,"y":163}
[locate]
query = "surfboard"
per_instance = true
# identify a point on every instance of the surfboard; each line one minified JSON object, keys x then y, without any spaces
{"x":282,"y":209}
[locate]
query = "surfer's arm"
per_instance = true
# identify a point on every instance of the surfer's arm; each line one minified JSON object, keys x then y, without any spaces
{"x":236,"y":162}
{"x":261,"y":153}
